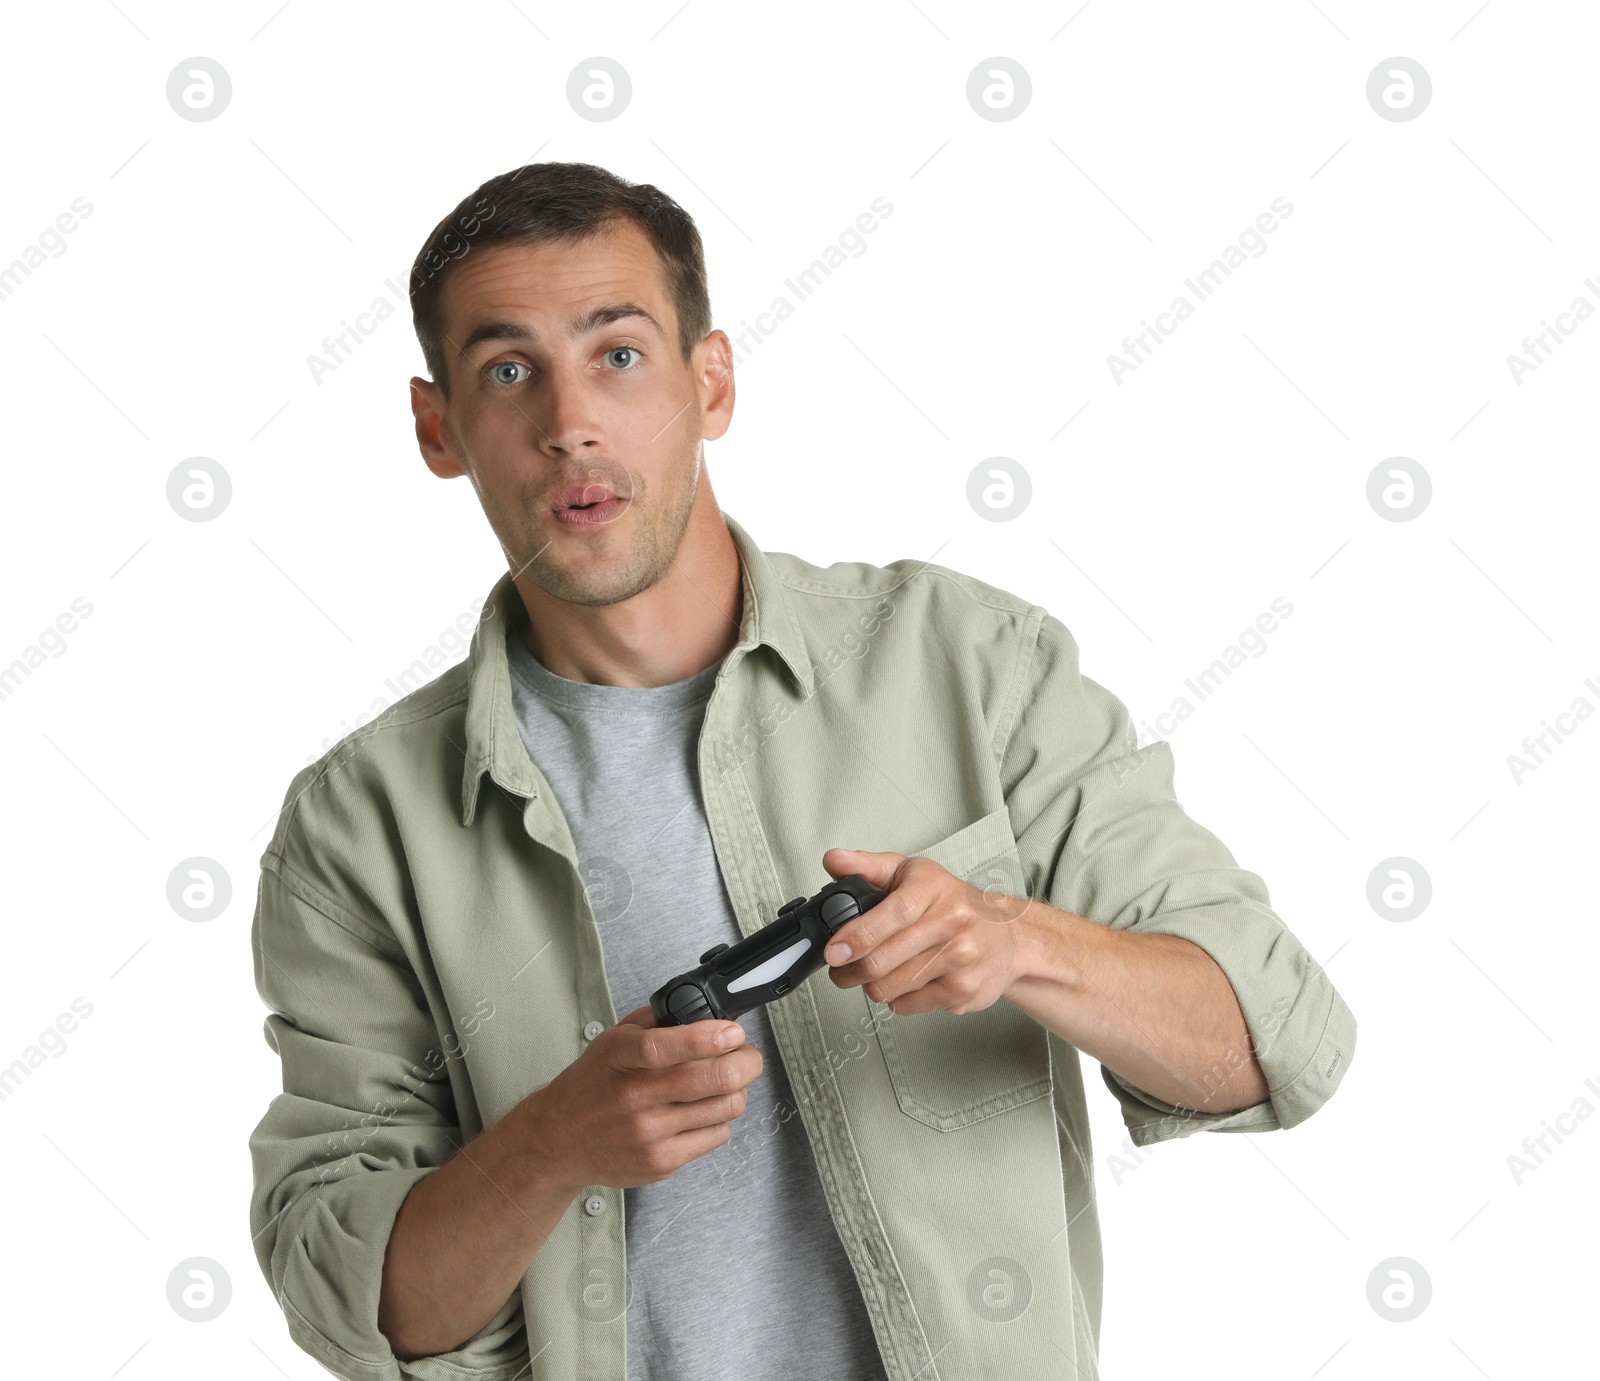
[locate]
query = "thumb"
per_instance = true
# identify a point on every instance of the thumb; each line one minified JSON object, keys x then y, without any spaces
{"x":877,"y":868}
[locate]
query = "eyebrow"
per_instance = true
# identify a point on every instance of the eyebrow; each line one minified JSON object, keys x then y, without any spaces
{"x":578,"y":326}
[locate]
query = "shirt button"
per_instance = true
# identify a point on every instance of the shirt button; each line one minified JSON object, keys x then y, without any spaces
{"x":593,"y":1205}
{"x":593,"y":1029}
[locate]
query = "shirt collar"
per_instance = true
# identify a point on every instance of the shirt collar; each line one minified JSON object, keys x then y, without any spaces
{"x":494,"y":744}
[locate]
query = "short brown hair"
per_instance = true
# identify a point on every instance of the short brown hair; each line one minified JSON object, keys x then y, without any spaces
{"x":559,"y":201}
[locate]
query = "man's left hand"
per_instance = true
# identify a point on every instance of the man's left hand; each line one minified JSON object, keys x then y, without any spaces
{"x":934,"y":943}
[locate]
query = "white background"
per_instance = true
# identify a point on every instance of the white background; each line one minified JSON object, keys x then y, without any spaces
{"x":1167,"y":513}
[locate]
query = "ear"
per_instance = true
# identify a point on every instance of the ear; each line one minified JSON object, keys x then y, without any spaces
{"x":428,"y":409}
{"x":712,"y":362}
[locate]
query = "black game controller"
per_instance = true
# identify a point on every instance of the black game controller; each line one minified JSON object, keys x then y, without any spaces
{"x":734,"y":979}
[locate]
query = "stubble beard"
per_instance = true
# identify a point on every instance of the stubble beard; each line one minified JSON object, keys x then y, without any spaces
{"x":658,"y":530}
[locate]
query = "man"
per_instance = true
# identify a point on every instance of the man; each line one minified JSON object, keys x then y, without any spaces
{"x":661,"y":733}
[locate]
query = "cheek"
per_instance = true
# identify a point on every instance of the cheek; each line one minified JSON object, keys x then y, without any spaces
{"x":471,"y":427}
{"x":657,"y":419}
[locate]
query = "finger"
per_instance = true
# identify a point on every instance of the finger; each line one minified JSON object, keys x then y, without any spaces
{"x":930,"y":998}
{"x":877,"y":868}
{"x":922,"y":971}
{"x":701,"y":1079}
{"x":897,"y":952}
{"x":898,"y":911}
{"x":660,"y":1047}
{"x":705,"y":1112}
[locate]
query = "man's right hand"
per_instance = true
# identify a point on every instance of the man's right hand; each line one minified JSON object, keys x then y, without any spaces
{"x":639,"y":1103}
{"x":644,"y":1100}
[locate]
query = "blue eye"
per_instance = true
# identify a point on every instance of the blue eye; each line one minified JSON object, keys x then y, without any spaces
{"x":621,"y":350}
{"x":494,"y":371}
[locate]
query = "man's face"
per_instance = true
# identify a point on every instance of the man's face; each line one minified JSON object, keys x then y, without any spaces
{"x":566,"y":386}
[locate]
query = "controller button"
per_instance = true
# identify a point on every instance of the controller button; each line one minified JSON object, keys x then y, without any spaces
{"x":789,"y":906}
{"x":839,"y":908}
{"x":687,"y":1003}
{"x":712,"y":953}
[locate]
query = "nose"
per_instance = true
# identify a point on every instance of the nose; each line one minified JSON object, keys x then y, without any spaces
{"x":570,"y":425}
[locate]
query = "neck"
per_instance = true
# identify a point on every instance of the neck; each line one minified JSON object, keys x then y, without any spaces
{"x":683,"y":623}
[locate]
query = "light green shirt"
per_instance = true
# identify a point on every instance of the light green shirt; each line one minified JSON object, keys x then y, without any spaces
{"x":429,"y":958}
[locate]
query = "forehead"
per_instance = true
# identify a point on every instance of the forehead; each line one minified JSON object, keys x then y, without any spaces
{"x":554,"y":279}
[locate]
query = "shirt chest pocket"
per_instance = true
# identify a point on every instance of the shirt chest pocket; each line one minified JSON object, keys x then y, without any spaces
{"x":951,"y":1070}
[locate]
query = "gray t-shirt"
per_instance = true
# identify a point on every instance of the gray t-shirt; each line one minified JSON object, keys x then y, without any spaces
{"x":734,"y":1266}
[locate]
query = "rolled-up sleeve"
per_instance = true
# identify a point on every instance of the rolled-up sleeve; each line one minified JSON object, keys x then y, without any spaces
{"x":366,"y":1112}
{"x":1101,"y":834}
